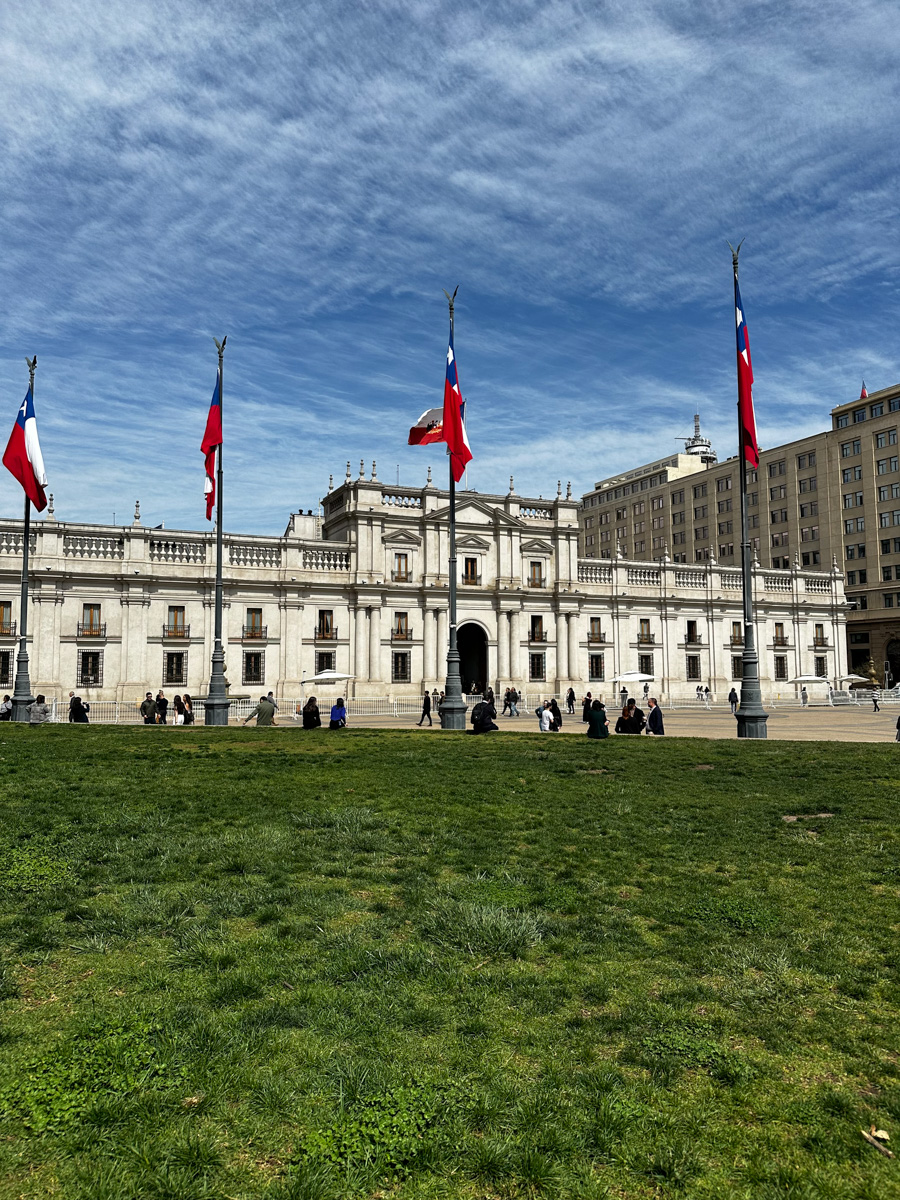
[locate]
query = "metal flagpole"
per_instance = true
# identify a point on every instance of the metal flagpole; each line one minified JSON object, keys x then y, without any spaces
{"x":751,"y":716}
{"x":453,"y":710}
{"x":22,"y":696}
{"x":217,"y":702}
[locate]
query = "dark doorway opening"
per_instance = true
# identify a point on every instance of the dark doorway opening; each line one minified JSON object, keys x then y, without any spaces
{"x":892,"y":655}
{"x":473,"y":656}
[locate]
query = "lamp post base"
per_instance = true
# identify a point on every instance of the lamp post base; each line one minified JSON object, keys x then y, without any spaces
{"x":216,"y":710}
{"x":453,"y":713}
{"x":752,"y":724}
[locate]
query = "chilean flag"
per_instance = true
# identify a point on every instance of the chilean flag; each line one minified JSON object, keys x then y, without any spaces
{"x":746,"y":416}
{"x":454,"y":429}
{"x":211,"y":440}
{"x":863,"y":395}
{"x":23,"y":455}
{"x":428,"y":428}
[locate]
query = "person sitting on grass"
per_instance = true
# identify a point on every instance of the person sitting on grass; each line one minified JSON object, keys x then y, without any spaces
{"x":264,"y":712}
{"x":78,"y":711}
{"x":597,"y":724}
{"x":310,"y":714}
{"x":38,"y":711}
{"x":483,"y":715}
{"x":338,"y":715}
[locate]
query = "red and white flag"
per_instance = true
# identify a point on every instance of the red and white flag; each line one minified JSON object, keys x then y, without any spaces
{"x":23,"y":454}
{"x":863,"y":395}
{"x":453,"y":425}
{"x":746,"y":415}
{"x":428,"y":428}
{"x":212,"y":439}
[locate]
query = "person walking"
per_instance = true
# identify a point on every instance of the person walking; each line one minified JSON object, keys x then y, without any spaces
{"x":38,"y":711}
{"x":646,"y":691}
{"x":597,"y":722}
{"x":655,"y":718}
{"x":78,"y":711}
{"x":876,"y":696}
{"x":586,"y":706}
{"x":188,"y":709}
{"x":570,"y":701}
{"x":71,"y":701}
{"x":733,"y":701}
{"x":310,"y":714}
{"x":162,"y":707}
{"x":513,"y":702}
{"x":148,"y":709}
{"x":706,"y":695}
{"x":804,"y":697}
{"x":505,"y":703}
{"x":426,"y":708}
{"x":264,"y":712}
{"x":178,"y":710}
{"x":6,"y":709}
{"x":270,"y":696}
{"x":623,"y":695}
{"x":557,"y":715}
{"x":338,"y":719}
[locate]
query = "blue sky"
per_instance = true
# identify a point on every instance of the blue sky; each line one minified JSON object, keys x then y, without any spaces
{"x":307,"y":178}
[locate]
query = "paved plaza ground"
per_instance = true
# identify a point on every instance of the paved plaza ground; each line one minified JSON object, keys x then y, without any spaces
{"x":849,"y":724}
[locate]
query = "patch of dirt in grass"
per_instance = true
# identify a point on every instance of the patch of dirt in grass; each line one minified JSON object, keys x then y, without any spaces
{"x":807,"y":817}
{"x":704,"y":767}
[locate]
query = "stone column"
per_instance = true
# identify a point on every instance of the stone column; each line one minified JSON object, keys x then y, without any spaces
{"x":440,"y":671}
{"x":503,"y":646}
{"x":428,"y":648}
{"x":374,"y":643}
{"x":515,"y":645}
{"x":361,"y":661}
{"x":577,"y":669}
{"x":562,"y":648}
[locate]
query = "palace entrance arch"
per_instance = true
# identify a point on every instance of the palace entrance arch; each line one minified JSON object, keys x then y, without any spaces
{"x":473,"y":655}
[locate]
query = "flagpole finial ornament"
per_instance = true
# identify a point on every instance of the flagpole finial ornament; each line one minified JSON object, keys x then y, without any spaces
{"x":32,"y":367}
{"x":735,"y":253}
{"x":451,"y":299}
{"x":220,"y":346}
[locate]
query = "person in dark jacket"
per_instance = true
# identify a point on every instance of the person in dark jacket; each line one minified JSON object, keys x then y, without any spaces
{"x":426,"y":708}
{"x":597,"y":723}
{"x":310,"y":714}
{"x":78,"y":711}
{"x":733,"y":701}
{"x":188,"y":709}
{"x":557,"y":716}
{"x":483,"y":715}
{"x":162,"y":707}
{"x":570,"y":700}
{"x":636,"y":719}
{"x":586,"y":705}
{"x":148,"y":710}
{"x":655,"y":718}
{"x":264,"y":712}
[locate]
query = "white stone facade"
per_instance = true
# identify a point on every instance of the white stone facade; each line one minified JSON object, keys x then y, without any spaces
{"x":365,"y":590}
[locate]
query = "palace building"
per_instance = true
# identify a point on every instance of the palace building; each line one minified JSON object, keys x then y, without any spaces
{"x":363,"y":589}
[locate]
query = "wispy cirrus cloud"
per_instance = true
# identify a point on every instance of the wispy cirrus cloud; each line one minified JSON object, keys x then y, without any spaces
{"x":307,"y":177}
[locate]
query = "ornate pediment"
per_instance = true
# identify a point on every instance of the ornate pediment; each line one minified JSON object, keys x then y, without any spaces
{"x":470,"y":542}
{"x":401,"y":537}
{"x":536,"y":546}
{"x":475,"y":512}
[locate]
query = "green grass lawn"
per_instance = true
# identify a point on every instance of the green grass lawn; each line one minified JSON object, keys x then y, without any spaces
{"x":263,"y":963}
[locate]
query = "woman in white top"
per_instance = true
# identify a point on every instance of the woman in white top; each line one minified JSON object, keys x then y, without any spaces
{"x":546,"y":718}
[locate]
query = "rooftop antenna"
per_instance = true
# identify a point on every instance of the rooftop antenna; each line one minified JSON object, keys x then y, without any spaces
{"x":698,"y":446}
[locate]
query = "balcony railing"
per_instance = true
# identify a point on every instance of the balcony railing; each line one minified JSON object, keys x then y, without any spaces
{"x":471,"y":580}
{"x":254,"y":631}
{"x":646,"y":639}
{"x":91,"y":629}
{"x":537,"y":635}
{"x":176,"y":631}
{"x":401,"y":577}
{"x":737,"y":639}
{"x":780,"y":640}
{"x":401,"y":635}
{"x":696,"y":640}
{"x":820,"y":641}
{"x":596,"y":639}
{"x":534,"y":581}
{"x":326,"y":634}
{"x":8,"y":629}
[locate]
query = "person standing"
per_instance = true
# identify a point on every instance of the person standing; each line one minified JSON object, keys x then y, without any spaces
{"x":426,"y":708}
{"x":505,"y":703}
{"x":271,"y":699}
{"x":162,"y":707}
{"x":6,"y":709}
{"x":570,"y":701}
{"x":586,"y":706}
{"x":178,"y":709}
{"x":655,"y":718}
{"x":804,"y":697}
{"x":646,"y":691}
{"x":876,"y":696}
{"x":78,"y":711}
{"x":623,"y":695}
{"x":71,"y":702}
{"x":557,"y":715}
{"x":38,"y":711}
{"x":148,"y":709}
{"x":597,"y":723}
{"x":706,"y":695}
{"x":545,"y":717}
{"x":513,"y":702}
{"x":188,"y":709}
{"x":733,"y":701}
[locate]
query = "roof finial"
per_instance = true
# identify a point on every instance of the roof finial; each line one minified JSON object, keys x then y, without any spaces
{"x":137,"y":512}
{"x":569,"y":489}
{"x":362,"y":469}
{"x":331,"y":483}
{"x":512,"y":486}
{"x":428,"y":480}
{"x":50,"y":516}
{"x":348,"y":471}
{"x":374,"y":471}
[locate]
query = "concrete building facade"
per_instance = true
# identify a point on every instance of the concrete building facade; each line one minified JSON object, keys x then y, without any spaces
{"x":363,"y":589}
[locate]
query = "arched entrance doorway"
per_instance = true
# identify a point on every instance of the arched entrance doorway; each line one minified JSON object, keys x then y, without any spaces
{"x":473,"y":656}
{"x":892,"y":655}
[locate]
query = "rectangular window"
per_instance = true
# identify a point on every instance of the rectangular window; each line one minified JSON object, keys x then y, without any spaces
{"x":810,"y":558}
{"x":401,"y":626}
{"x":810,"y":509}
{"x":726,"y":549}
{"x":884,"y":519}
{"x":701,"y":532}
{"x":888,"y":599}
{"x":639,"y":526}
{"x":779,"y":492}
{"x":780,"y":639}
{"x":639,"y":547}
{"x":851,"y":578}
{"x":470,"y":570}
{"x":737,"y":633}
{"x":535,"y":574}
{"x":894,"y":404}
{"x":6,"y":617}
{"x":6,"y":668}
{"x":644,"y":630}
{"x":90,"y":621}
{"x":701,"y":510}
{"x":645,"y":664}
{"x":776,"y":468}
{"x":809,"y":533}
{"x":858,"y":602}
{"x":781,"y":670}
{"x":400,"y":667}
{"x":701,"y":554}
{"x":700,"y":490}
{"x":691,"y":633}
{"x":401,"y":568}
{"x":737,"y":667}
{"x":678,"y":539}
{"x":254,"y":622}
{"x":821,"y":667}
{"x":657,"y":522}
{"x":638,"y":508}
{"x":595,"y":668}
{"x":859,"y":639}
{"x":724,"y":506}
{"x":325,"y":661}
{"x":778,"y":516}
{"x":678,"y":497}
{"x":859,"y":415}
{"x":850,"y":551}
{"x":842,"y":421}
{"x":595,"y":633}
{"x":754,"y":521}
{"x":806,"y":460}
{"x":657,"y":502}
{"x":877,"y":410}
{"x":885,"y":545}
{"x":175,"y":667}
{"x":726,"y":527}
{"x":864,"y":577}
{"x":621,"y":514}
{"x":808,"y":485}
{"x":536,"y":668}
{"x":325,"y":627}
{"x":677,"y":518}
{"x":254,"y":666}
{"x":90,"y":668}
{"x":723,"y":485}
{"x":537,"y":629}
{"x":780,"y":539}
{"x":781,"y":563}
{"x":692,"y":666}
